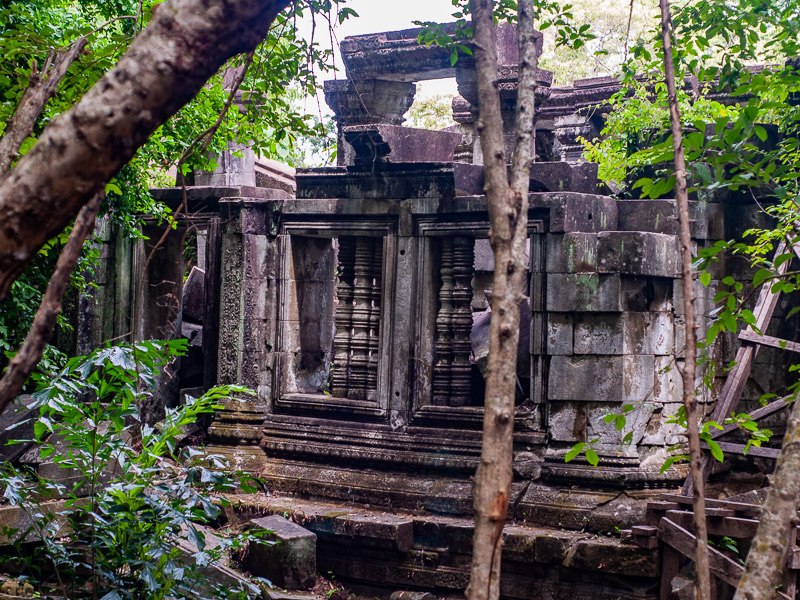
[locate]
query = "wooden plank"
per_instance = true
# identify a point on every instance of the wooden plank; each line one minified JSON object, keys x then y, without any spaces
{"x":734,"y":527}
{"x":743,"y":508}
{"x":759,"y":413}
{"x":684,"y":542}
{"x":745,"y":356}
{"x":644,"y":530}
{"x":748,"y":335}
{"x":670,"y":567}
{"x":752,"y":451}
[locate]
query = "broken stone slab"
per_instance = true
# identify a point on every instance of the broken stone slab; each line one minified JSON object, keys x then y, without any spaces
{"x":16,"y":423}
{"x":395,"y":143}
{"x":15,"y":522}
{"x":638,"y":253}
{"x":288,"y":555}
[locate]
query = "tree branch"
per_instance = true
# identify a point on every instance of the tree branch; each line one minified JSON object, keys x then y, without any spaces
{"x":703,"y":584}
{"x":41,"y":89}
{"x":78,"y":153}
{"x":25,"y":361}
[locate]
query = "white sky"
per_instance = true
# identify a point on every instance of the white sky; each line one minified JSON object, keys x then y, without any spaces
{"x":385,"y":15}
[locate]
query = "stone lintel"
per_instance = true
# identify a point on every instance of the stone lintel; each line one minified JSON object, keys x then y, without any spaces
{"x":395,"y":143}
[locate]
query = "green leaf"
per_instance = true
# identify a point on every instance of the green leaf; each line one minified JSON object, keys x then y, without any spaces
{"x":592,"y":457}
{"x":575,"y":451}
{"x":705,"y":278}
{"x":716,"y":451}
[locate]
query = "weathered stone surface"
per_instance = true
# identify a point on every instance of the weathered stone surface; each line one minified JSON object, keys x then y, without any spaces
{"x":291,"y":561}
{"x":599,"y":555}
{"x":564,"y":177}
{"x":407,"y":595}
{"x":559,"y":333}
{"x":369,"y":101}
{"x":380,"y":142}
{"x":587,"y":292}
{"x":571,"y":253}
{"x":624,"y":333}
{"x":570,"y":212}
{"x":595,"y":378}
{"x":638,"y":253}
{"x":661,"y":216}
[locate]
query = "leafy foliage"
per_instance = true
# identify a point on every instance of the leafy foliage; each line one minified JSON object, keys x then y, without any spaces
{"x":128,"y":501}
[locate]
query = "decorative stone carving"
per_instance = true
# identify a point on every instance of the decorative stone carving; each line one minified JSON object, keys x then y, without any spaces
{"x":452,"y":368}
{"x":365,"y":318}
{"x":344,"y":316}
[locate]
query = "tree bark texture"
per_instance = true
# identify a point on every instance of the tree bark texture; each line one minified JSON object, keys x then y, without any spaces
{"x":703,"y":584}
{"x":42,"y":87}
{"x":186,"y":42}
{"x":30,"y":353}
{"x":508,"y":217}
{"x":766,"y":561}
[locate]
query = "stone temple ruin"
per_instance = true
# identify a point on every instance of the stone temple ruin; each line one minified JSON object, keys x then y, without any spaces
{"x":353,"y":299}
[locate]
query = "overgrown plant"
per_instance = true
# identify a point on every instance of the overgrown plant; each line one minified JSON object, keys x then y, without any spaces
{"x":128,"y":503}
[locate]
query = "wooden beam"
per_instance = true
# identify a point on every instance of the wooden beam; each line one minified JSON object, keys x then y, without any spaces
{"x":752,"y":451}
{"x":759,"y":413}
{"x":748,"y":335}
{"x":734,"y":527}
{"x":742,"y":508}
{"x":684,"y":542}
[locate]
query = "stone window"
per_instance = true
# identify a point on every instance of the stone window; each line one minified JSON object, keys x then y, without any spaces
{"x":334,"y":297}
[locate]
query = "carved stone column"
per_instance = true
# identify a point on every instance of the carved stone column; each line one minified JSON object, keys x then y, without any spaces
{"x":340,"y":377}
{"x":444,"y":328}
{"x":366,"y":102}
{"x":461,"y":320}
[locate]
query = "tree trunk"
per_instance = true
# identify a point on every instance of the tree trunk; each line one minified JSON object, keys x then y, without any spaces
{"x":508,"y":218}
{"x":703,"y":584}
{"x":766,"y":561}
{"x":186,"y":42}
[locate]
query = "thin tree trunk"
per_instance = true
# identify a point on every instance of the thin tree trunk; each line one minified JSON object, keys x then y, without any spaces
{"x":42,"y":87}
{"x":508,"y":218}
{"x":186,"y":42}
{"x":703,"y":583}
{"x":766,"y":561}
{"x":30,"y":353}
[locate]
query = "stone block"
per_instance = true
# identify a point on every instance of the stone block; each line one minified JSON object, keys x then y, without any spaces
{"x":638,"y":253}
{"x":592,"y":378}
{"x":590,"y":292}
{"x":194,"y":296}
{"x":607,"y":557}
{"x":560,"y":176}
{"x":551,"y":548}
{"x":567,"y":421}
{"x":571,"y":212}
{"x":661,"y":216}
{"x":600,"y":333}
{"x":396,"y":143}
{"x":559,"y":333}
{"x":587,"y":378}
{"x":290,"y":561}
{"x":609,"y":437}
{"x":571,"y":253}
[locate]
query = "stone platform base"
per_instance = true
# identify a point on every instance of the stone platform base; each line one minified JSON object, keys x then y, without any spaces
{"x":382,"y":552}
